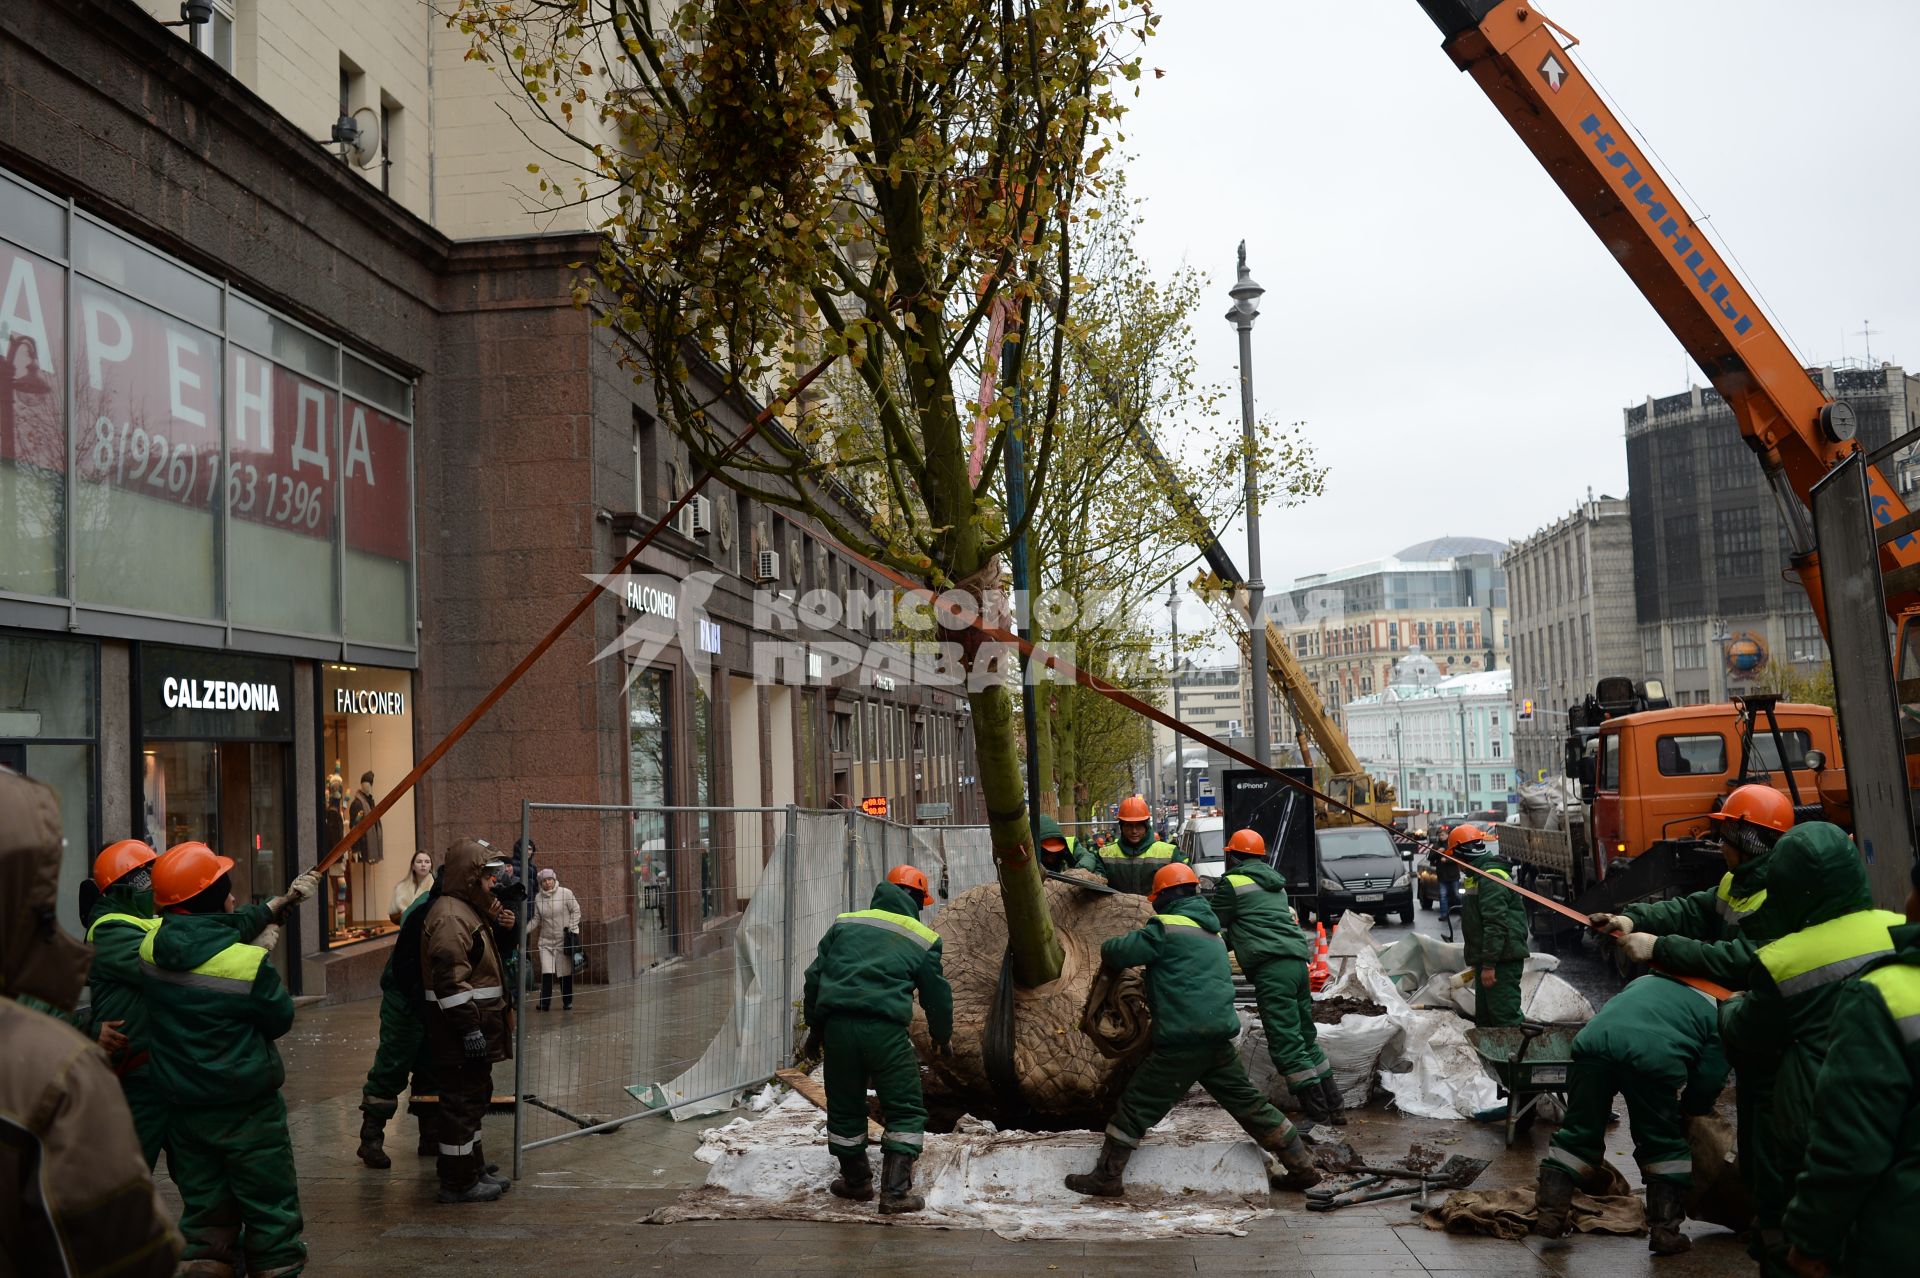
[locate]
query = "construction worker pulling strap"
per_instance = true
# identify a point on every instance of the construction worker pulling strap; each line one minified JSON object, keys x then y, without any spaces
{"x":858,"y":1004}
{"x":1788,"y":1009}
{"x":1131,"y":861}
{"x":402,"y":1057}
{"x":1657,"y":1043}
{"x":1494,"y":926}
{"x":1058,"y":851}
{"x":1273,"y":950}
{"x":215,"y":1006}
{"x":1190,"y":989}
{"x":116,"y":925}
{"x":1853,"y":1204}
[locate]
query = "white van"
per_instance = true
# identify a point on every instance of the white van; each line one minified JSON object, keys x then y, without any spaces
{"x":1203,"y":842}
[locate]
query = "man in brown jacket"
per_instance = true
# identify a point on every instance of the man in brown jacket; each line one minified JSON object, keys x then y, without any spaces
{"x":467,"y":1014}
{"x":75,"y":1193}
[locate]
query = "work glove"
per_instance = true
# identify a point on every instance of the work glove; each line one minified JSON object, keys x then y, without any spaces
{"x":1488,"y":976}
{"x":1639,"y":947}
{"x":474,"y":1045}
{"x":1618,"y":924}
{"x":815,"y":1044}
{"x":1294,"y":914}
{"x":1462,"y":979}
{"x":301,"y":889}
{"x":269,"y":936}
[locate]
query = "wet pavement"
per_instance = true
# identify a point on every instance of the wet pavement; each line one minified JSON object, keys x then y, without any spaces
{"x":581,"y":1206}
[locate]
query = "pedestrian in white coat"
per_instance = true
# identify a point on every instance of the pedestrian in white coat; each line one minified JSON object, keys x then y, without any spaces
{"x":556,"y":917}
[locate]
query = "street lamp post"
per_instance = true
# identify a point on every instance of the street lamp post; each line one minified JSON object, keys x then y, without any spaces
{"x":1245,"y":310}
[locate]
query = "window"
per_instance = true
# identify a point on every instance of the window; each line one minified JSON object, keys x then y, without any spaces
{"x":1651,"y":659}
{"x":842,"y":736}
{"x":646,"y":460}
{"x":1696,"y":755}
{"x":1496,"y":747}
{"x":215,"y":38}
{"x":1609,"y":769}
{"x":1690,"y":646}
{"x":1766,"y":755}
{"x":393,"y":142}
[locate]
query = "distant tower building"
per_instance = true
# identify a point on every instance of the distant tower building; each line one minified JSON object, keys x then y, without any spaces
{"x":1570,"y":593}
{"x":1715,"y":606}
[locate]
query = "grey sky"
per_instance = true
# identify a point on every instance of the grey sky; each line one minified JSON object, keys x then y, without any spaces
{"x":1458,"y":342}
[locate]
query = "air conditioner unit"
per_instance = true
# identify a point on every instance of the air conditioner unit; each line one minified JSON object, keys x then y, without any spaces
{"x":702,"y":508}
{"x":683,"y":520}
{"x":769,"y":566}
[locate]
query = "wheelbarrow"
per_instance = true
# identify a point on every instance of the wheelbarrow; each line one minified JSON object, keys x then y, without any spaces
{"x":1530,"y":1061}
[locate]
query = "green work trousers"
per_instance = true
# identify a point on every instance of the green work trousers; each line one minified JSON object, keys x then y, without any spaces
{"x":1653,"y":1115}
{"x":862,"y":1050}
{"x":1166,"y":1075}
{"x":1285,"y":1001}
{"x":234,"y":1167}
{"x":149,"y":1115}
{"x":1499,"y":1005}
{"x":401,"y":1058}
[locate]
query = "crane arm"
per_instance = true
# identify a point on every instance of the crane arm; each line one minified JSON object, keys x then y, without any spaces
{"x":1518,"y":59}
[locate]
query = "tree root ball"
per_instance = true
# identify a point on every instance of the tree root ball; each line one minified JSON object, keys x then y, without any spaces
{"x":1061,"y":1070}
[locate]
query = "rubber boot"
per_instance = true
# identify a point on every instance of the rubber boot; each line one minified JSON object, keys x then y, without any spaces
{"x":1286,"y":1147}
{"x":481,"y":1191}
{"x":855,"y":1181}
{"x":1335,"y":1103}
{"x":429,"y":1146}
{"x":896,"y":1184}
{"x":373,"y":1131}
{"x":1553,"y":1201}
{"x":1666,"y":1209}
{"x":1108,"y":1177}
{"x":1313,"y":1101}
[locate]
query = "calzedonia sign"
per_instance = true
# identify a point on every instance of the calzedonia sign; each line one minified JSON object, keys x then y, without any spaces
{"x":188,"y":694}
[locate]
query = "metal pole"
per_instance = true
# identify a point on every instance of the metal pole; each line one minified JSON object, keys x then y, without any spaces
{"x":520,"y":982}
{"x":1246,"y":308}
{"x":1179,"y":751}
{"x":852,"y":853}
{"x":1010,"y":353}
{"x":1466,"y":790}
{"x":791,"y":857}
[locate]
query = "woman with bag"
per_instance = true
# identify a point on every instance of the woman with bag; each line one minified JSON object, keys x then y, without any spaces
{"x":556,"y":917}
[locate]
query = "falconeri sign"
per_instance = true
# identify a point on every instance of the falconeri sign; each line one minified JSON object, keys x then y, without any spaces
{"x":366,"y":701}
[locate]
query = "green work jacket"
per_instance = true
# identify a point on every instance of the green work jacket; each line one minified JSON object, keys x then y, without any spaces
{"x":115,"y":929}
{"x":1715,"y":931}
{"x":1132,"y":870}
{"x":1854,"y":1202}
{"x":871,"y":961}
{"x":1251,"y":904}
{"x":1665,"y":1030}
{"x":1189,"y":980}
{"x":215,"y":1006}
{"x":1493,"y":921}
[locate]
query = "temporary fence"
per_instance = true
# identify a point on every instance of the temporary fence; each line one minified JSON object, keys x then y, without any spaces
{"x":695,"y":929}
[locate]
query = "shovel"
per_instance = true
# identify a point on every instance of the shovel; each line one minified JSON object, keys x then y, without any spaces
{"x":1457,"y":1172}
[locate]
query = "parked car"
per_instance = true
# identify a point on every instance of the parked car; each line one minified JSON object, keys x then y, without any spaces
{"x":1203,"y":842}
{"x":1361,"y":869}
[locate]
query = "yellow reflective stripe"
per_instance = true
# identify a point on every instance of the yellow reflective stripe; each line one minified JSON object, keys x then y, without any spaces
{"x":239,"y":962}
{"x":1176,"y":920}
{"x":1152,"y":852}
{"x":1241,"y":884}
{"x":145,"y":925}
{"x":887,"y":919}
{"x":1731,"y":906}
{"x":1899,"y":986}
{"x":1498,"y":874}
{"x":1829,"y":951}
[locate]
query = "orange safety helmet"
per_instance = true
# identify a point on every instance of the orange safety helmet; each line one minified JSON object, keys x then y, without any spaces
{"x":1247,"y":843}
{"x":1465,"y":834}
{"x":1173,"y":876}
{"x":1760,"y":805}
{"x":117,"y":860}
{"x":912,"y":880}
{"x":184,"y":871}
{"x":1134,"y":808}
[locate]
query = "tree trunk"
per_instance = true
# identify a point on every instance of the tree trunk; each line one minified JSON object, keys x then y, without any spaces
{"x":1036,"y":950}
{"x":1067,"y":752}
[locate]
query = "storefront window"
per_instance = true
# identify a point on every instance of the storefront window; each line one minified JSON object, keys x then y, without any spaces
{"x":147,"y":417}
{"x":33,"y":439}
{"x":377,"y":470}
{"x":367,"y":732}
{"x":282,"y":497}
{"x":47,"y":730}
{"x":703,"y":787}
{"x":648,"y":759}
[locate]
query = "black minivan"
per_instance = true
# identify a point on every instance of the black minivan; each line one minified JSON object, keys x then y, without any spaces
{"x":1362,"y":870}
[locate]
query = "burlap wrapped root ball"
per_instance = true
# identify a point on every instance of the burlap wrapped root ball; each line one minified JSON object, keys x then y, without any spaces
{"x":1062,"y":1071}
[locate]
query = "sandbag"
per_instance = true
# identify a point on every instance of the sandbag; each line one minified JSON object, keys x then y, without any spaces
{"x":1509,"y":1213}
{"x":1718,"y":1194}
{"x":1353,"y":1048}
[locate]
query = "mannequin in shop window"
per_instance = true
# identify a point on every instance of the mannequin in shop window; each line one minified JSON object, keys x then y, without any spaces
{"x":368,"y":851}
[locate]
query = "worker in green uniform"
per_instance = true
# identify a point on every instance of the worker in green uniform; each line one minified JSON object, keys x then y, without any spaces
{"x":1715,"y":932}
{"x":1273,"y":949}
{"x":1130,"y":862}
{"x":859,"y":1002}
{"x":215,"y":1006}
{"x":119,"y":920}
{"x":1493,"y":923}
{"x":402,"y":1056}
{"x":1058,"y":852}
{"x":1853,"y":1204}
{"x":1788,"y":1006}
{"x":1190,"y":989}
{"x":1657,"y":1042}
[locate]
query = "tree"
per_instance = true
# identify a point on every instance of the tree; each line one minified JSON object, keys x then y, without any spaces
{"x":856,"y":177}
{"x":1811,"y":687}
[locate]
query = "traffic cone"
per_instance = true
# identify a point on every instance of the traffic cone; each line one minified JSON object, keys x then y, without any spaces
{"x":1317,"y":970}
